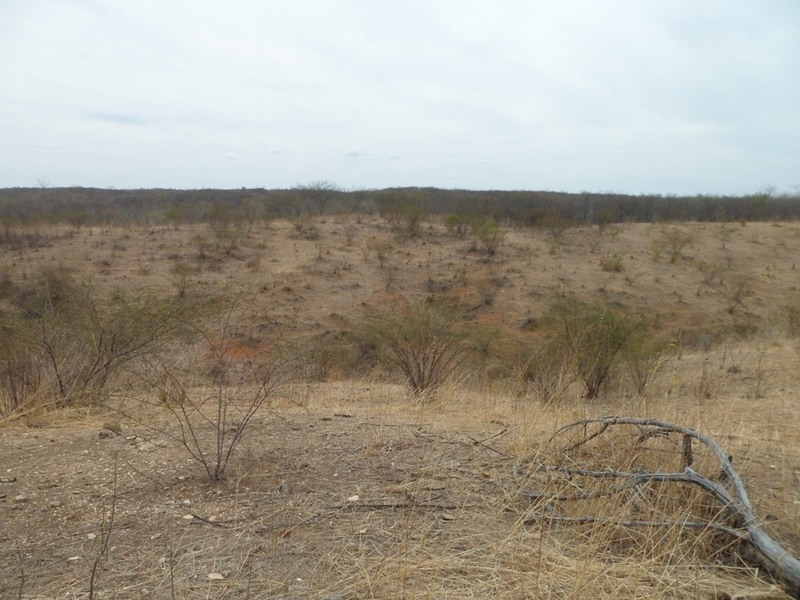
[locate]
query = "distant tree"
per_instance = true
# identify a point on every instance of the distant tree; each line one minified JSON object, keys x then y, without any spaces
{"x":319,"y":193}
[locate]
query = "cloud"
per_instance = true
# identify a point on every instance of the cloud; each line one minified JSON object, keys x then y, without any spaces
{"x":121,"y":119}
{"x":678,"y":97}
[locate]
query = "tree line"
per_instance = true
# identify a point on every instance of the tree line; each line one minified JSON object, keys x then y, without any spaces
{"x":79,"y":206}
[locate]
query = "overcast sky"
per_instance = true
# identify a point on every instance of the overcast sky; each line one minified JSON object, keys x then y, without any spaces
{"x":631,"y":96}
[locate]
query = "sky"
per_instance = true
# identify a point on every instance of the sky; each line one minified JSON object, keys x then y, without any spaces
{"x":626,"y":96}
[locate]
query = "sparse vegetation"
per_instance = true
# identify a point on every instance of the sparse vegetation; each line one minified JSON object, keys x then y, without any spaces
{"x":212,"y":396}
{"x":672,"y":242}
{"x":305,"y":469}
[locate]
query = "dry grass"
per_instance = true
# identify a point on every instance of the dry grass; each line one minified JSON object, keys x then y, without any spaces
{"x":349,"y":489}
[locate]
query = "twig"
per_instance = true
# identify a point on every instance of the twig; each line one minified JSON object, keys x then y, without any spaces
{"x":584,"y":440}
{"x":105,"y":534}
{"x":667,"y":523}
{"x":208,"y":521}
{"x":483,"y":443}
{"x":21,"y":569}
{"x":390,"y":506}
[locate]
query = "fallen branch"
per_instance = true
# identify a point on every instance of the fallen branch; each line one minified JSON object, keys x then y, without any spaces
{"x":728,"y":489}
{"x":391,"y":506}
{"x":681,"y":523}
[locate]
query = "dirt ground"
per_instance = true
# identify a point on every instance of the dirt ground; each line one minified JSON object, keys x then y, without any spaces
{"x":310,"y":503}
{"x":349,"y":491}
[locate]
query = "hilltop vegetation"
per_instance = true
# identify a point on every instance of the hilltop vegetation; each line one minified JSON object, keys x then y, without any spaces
{"x":91,"y":206}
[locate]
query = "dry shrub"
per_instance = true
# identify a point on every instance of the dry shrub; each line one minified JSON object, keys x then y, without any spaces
{"x":424,"y":339}
{"x":212,"y":393}
{"x":65,"y":345}
{"x":594,"y":337}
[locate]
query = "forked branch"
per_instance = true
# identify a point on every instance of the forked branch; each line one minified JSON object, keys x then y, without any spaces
{"x":727,"y":488}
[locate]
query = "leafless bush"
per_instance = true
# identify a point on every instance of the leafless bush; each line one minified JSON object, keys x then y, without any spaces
{"x":212,"y":396}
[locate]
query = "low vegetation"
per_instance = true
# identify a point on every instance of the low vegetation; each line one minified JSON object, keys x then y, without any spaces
{"x":396,"y":394}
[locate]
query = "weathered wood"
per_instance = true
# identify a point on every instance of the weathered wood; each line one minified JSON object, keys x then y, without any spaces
{"x":779,"y":561}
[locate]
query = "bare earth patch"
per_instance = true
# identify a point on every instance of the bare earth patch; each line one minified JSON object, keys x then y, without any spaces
{"x":358,"y":494}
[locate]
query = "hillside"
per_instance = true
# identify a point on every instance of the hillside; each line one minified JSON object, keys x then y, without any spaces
{"x":347,"y":486}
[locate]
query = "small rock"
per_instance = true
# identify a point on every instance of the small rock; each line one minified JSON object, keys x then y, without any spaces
{"x":21,"y":498}
{"x":113,"y":426}
{"x":216,"y":576}
{"x":354,"y":498}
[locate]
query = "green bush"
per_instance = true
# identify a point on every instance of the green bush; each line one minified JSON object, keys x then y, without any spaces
{"x":457,"y":224}
{"x":488,"y":233}
{"x":612,"y":264}
{"x":594,"y":338}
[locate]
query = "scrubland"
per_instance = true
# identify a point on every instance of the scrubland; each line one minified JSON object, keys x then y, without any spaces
{"x":343,"y":406}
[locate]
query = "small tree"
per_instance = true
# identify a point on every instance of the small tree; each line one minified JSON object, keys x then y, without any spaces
{"x":488,"y":233}
{"x":319,"y":194}
{"x":423,"y":340}
{"x":594,"y":338}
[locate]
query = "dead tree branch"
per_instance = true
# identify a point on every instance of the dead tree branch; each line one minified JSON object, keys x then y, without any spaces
{"x":728,"y":489}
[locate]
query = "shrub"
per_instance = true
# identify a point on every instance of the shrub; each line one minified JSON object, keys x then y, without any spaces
{"x":594,"y":338}
{"x":423,"y":340}
{"x":673,"y":241}
{"x":712,"y":274}
{"x":612,"y":264}
{"x":404,"y":211}
{"x":643,"y":357}
{"x":545,"y":370}
{"x":488,"y":234}
{"x":182,"y":274}
{"x":67,"y":345}
{"x":457,"y":224}
{"x":213,"y":394}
